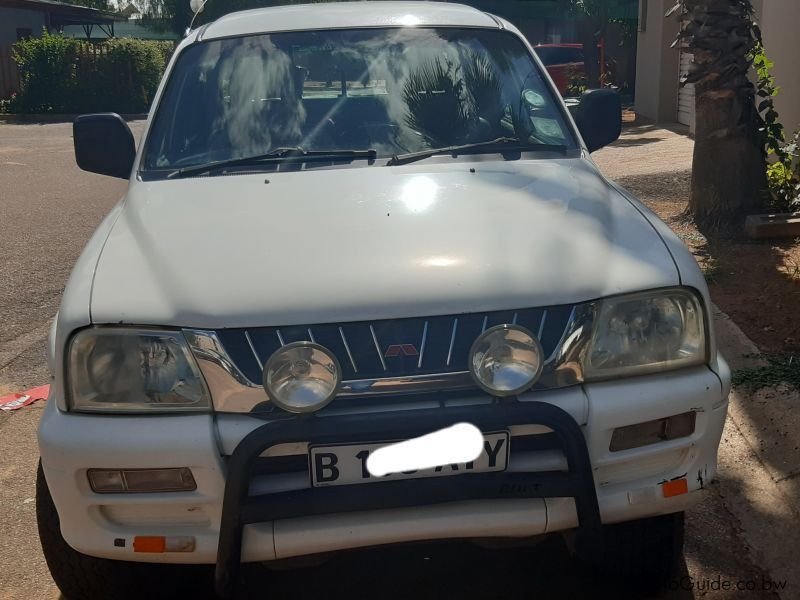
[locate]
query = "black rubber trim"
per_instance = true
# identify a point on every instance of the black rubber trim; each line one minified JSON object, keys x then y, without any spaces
{"x":240,"y":509}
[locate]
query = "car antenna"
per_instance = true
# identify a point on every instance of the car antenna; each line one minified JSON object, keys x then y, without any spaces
{"x":196,"y":7}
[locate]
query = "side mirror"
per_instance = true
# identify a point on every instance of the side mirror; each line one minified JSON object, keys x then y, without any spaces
{"x":599,"y":118}
{"x":104,"y":144}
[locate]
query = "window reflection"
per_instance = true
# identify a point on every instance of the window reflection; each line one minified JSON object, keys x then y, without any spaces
{"x":394,"y":90}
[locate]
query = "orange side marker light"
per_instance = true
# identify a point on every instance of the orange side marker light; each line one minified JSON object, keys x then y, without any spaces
{"x":151,"y":544}
{"x":676,"y":487}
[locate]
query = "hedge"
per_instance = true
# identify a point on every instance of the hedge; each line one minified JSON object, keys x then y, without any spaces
{"x":67,"y":75}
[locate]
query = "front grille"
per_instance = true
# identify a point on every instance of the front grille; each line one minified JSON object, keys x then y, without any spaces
{"x":393,"y":347}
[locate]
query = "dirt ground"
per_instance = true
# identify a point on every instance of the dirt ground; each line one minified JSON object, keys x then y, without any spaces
{"x":757,"y":283}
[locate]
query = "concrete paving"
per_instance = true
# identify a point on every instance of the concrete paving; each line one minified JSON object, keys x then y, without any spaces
{"x":760,"y":462}
{"x":743,"y":532}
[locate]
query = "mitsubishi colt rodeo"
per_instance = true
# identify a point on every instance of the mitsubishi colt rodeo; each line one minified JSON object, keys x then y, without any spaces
{"x":350,"y":225}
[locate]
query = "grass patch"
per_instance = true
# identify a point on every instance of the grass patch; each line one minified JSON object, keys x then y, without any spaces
{"x":711,"y":269}
{"x":781,"y":369}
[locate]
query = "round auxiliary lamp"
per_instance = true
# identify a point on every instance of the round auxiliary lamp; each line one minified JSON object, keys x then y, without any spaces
{"x":302,"y":377}
{"x":506,"y":360}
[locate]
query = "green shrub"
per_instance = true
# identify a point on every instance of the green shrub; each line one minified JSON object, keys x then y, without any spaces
{"x":783,"y":158}
{"x":47,"y":73}
{"x":6,"y":105}
{"x":66,"y":75}
{"x":132,"y":70}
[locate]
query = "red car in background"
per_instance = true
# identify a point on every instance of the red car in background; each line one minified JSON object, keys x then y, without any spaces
{"x":563,"y":62}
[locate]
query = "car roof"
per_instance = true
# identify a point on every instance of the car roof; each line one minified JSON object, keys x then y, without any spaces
{"x":337,"y":15}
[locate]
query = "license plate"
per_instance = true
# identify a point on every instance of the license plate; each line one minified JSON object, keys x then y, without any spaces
{"x":347,"y":464}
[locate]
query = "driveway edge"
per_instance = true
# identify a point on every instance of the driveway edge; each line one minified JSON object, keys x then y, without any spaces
{"x":769,"y":516}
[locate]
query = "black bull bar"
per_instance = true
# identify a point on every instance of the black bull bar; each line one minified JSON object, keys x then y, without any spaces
{"x":240,"y":509}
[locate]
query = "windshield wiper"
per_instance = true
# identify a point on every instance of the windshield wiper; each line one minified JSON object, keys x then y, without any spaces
{"x":276,"y":154}
{"x":501,"y":144}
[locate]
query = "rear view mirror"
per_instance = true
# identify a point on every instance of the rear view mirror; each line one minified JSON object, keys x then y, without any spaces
{"x":104,"y":144}
{"x":599,"y":118}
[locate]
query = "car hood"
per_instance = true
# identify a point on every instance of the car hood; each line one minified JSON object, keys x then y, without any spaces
{"x":338,"y":245}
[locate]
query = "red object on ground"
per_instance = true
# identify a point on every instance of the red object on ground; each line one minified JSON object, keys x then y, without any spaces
{"x":17,"y":401}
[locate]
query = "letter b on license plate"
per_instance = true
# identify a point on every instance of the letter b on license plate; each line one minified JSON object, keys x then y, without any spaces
{"x":347,"y":464}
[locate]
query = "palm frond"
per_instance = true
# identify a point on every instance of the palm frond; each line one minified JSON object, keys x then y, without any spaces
{"x":436,"y":103}
{"x":484,"y":86}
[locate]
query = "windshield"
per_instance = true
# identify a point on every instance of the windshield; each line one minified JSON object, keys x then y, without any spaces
{"x":394,"y":91}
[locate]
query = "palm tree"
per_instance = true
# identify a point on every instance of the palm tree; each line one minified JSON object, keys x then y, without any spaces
{"x":436,"y":103}
{"x":450,"y":104}
{"x":729,"y":164}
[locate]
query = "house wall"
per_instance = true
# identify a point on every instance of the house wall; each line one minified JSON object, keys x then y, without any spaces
{"x":13,"y":18}
{"x":779,"y":21}
{"x":657,"y":65}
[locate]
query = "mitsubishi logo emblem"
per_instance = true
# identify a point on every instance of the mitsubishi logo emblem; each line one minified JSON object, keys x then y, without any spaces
{"x":401,"y":350}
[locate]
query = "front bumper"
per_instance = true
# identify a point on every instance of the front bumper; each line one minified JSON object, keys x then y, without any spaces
{"x":627,"y":484}
{"x":240,"y":508}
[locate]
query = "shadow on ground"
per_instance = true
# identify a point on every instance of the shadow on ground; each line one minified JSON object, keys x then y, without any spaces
{"x":631,"y":142}
{"x":446,"y":570}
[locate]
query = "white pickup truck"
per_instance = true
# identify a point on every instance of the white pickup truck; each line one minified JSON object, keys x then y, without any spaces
{"x":348,"y":225}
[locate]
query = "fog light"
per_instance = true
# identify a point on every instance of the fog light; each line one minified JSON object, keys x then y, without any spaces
{"x":302,"y":377}
{"x":506,"y":360}
{"x":653,"y":432}
{"x":104,"y":482}
{"x":109,"y":481}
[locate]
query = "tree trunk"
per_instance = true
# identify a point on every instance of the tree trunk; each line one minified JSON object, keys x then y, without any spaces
{"x":728,"y":171}
{"x":591,"y":54}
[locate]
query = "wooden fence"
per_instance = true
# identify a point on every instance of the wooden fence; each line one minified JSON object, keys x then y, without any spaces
{"x":9,"y":76}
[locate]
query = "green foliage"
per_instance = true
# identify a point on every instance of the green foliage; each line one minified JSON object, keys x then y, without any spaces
{"x":771,"y":130}
{"x":66,"y":75}
{"x":596,"y":8}
{"x":778,"y":370}
{"x":576,"y":82}
{"x":129,"y":73}
{"x":47,"y":73}
{"x":783,"y":176}
{"x":7,"y":105}
{"x":783,"y":170}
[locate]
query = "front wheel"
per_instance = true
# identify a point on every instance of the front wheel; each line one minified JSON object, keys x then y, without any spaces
{"x":82,"y":577}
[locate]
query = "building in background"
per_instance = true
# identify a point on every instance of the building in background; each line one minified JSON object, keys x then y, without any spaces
{"x":29,"y":18}
{"x":659,"y":96}
{"x":25,"y":18}
{"x":134,"y":26}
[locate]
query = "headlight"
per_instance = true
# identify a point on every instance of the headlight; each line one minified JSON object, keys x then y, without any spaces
{"x":506,"y":360}
{"x":302,"y":377}
{"x":129,"y":370}
{"x":645,"y":333}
